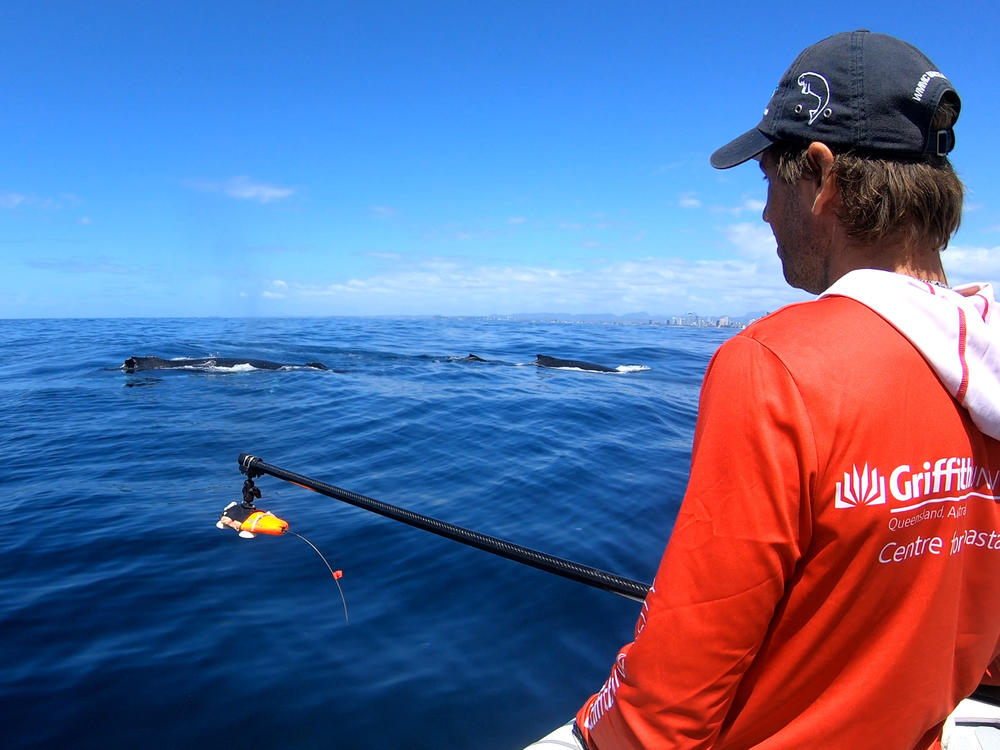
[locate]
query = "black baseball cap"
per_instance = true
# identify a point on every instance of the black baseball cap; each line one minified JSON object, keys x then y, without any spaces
{"x":868,"y":92}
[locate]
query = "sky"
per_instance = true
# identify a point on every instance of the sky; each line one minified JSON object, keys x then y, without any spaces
{"x":489,"y":157}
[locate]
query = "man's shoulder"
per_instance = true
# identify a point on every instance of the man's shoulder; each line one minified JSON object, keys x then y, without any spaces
{"x":831,"y":347}
{"x":827,"y":327}
{"x":829,"y":315}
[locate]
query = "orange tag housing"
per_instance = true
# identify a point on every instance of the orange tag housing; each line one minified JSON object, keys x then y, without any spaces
{"x":264,"y":522}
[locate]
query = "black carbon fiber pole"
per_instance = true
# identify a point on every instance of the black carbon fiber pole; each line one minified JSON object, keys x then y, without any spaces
{"x":253,"y":466}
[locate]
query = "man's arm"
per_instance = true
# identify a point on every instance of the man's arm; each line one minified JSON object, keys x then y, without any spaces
{"x":736,"y":541}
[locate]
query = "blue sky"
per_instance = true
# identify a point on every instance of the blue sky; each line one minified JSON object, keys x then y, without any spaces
{"x":398,"y":158}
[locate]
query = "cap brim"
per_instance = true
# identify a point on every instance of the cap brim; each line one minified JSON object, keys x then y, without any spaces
{"x":741,"y":149}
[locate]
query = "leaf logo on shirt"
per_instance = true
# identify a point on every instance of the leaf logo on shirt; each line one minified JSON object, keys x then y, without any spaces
{"x":860,"y":488}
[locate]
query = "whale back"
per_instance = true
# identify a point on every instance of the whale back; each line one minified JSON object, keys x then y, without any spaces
{"x":577,"y":364}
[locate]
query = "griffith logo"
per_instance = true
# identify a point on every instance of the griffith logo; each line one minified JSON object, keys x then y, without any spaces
{"x":860,"y":488}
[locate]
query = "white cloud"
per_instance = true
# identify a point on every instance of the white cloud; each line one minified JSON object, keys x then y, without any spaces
{"x":967,"y":264}
{"x":750,"y":281}
{"x":688,"y":200}
{"x":19,"y":200}
{"x":244,"y":188}
{"x":751,"y":205}
{"x":752,"y":240}
{"x":277,"y":290}
{"x":11,"y":200}
{"x":382,"y":212}
{"x":98,"y":265}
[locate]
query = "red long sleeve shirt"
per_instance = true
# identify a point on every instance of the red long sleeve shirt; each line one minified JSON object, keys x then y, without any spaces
{"x":833,"y":577}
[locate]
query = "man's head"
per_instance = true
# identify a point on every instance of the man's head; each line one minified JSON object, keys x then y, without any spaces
{"x":868,"y":93}
{"x":885,"y":116}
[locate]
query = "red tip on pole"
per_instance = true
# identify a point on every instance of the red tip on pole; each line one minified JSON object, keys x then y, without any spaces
{"x":338,"y":574}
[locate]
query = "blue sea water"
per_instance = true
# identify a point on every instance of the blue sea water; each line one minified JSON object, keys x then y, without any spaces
{"x":127,"y":619}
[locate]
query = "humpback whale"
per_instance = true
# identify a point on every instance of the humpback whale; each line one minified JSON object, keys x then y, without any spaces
{"x":571,"y":364}
{"x":133,"y":364}
{"x":555,"y":363}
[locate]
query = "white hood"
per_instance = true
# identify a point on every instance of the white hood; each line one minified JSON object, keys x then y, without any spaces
{"x":957,"y":330}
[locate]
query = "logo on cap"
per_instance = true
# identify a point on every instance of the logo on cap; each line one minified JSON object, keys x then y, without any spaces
{"x":813,"y":84}
{"x":926,"y":78}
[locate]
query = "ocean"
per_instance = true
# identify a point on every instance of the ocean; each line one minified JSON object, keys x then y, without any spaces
{"x":129,"y":620}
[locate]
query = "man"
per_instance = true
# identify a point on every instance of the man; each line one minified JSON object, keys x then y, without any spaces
{"x":833,"y":577}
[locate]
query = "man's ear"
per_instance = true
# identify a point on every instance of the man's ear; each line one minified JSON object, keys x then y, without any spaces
{"x":821,"y":158}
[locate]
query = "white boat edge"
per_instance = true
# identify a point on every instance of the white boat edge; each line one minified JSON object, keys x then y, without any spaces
{"x":973,"y":725}
{"x":562,"y":737}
